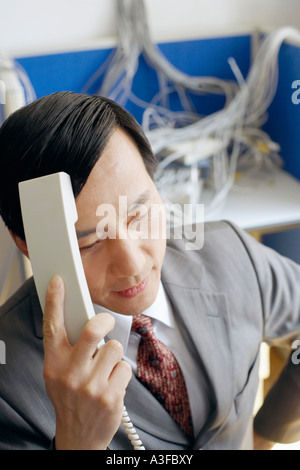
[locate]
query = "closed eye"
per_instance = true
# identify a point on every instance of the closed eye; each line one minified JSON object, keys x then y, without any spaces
{"x":90,"y":246}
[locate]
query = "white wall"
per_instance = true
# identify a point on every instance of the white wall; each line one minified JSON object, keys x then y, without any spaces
{"x":37,"y":26}
{"x":42,"y":25}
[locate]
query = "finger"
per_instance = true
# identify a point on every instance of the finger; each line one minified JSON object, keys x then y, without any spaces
{"x":92,"y":334}
{"x":54,"y":332}
{"x":107,"y":358}
{"x":121,"y":375}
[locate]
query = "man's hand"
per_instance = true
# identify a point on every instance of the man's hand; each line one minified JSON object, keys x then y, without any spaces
{"x":261,"y":443}
{"x":86,"y":385}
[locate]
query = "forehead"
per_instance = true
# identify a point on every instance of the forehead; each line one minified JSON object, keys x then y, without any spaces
{"x":120,"y":171}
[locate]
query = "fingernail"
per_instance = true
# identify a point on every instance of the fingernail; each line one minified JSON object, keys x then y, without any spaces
{"x":55,"y":282}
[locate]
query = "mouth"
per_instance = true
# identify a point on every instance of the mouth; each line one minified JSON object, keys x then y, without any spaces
{"x":133,"y":291}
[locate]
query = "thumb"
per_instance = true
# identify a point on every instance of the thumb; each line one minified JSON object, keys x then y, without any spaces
{"x":54,"y":332}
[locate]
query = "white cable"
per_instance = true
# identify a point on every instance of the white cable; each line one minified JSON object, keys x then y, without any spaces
{"x":131,"y":432}
{"x":248,"y":107}
{"x":237,"y":124}
{"x":135,"y":40}
{"x":17,"y":89}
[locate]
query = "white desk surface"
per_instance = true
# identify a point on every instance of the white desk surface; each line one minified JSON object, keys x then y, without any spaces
{"x":267,"y":203}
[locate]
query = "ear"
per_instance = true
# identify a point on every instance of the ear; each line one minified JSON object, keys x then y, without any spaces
{"x":21,"y":244}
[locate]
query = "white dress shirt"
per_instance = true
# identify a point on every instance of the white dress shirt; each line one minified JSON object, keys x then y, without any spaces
{"x":164,"y":327}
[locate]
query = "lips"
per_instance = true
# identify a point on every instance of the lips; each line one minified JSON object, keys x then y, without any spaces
{"x":133,"y":291}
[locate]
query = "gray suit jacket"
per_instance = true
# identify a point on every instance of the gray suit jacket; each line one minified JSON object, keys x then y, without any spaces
{"x":227,"y":297}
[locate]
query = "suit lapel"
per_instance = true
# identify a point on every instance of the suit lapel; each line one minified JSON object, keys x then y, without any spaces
{"x":148,"y":415}
{"x":203,"y":320}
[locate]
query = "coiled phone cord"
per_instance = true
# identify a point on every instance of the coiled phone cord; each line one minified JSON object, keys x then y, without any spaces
{"x":131,"y":432}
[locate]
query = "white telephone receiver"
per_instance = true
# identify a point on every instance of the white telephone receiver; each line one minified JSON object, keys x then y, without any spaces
{"x":49,"y":215}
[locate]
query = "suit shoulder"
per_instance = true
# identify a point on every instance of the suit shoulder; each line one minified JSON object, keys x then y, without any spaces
{"x":205,"y":237}
{"x":23,"y":294}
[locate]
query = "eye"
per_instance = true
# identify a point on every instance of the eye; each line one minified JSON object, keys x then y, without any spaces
{"x":90,"y":247}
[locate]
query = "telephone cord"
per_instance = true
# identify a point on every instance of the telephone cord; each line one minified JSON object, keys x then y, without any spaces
{"x":131,"y":431}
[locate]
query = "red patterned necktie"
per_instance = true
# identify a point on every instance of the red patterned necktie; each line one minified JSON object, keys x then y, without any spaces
{"x":159,"y":371}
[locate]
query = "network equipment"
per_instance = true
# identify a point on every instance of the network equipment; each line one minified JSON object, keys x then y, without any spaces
{"x":198,"y":155}
{"x":16,"y":89}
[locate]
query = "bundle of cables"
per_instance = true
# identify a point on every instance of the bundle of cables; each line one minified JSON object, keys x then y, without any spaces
{"x":16,"y":89}
{"x":191,"y":147}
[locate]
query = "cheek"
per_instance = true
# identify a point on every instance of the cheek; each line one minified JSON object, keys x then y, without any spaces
{"x":157,"y":231}
{"x":94,"y":272}
{"x":156,"y":251}
{"x":157,"y":223}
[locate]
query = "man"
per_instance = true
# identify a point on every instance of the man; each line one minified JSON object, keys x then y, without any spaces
{"x":211,"y":306}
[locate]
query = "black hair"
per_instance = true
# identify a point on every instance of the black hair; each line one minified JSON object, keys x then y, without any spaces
{"x":64,"y":131}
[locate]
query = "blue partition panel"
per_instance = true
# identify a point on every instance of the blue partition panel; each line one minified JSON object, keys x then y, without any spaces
{"x":202,"y":57}
{"x":284,"y":115}
{"x":70,"y":71}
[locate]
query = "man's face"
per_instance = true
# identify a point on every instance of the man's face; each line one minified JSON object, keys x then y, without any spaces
{"x":123,"y":266}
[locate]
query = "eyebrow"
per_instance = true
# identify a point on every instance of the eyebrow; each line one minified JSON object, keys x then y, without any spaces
{"x":142,"y":199}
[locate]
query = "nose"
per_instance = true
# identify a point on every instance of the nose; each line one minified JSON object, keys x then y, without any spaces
{"x":127,"y":257}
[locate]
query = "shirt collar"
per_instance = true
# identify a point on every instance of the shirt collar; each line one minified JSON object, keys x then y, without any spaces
{"x":160,"y":310}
